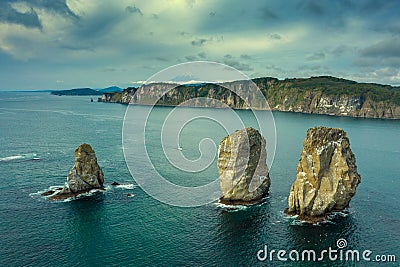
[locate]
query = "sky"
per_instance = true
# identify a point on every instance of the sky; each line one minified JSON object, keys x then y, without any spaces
{"x":60,"y":44}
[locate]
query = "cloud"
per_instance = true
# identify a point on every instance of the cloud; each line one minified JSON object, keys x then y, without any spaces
{"x":385,"y":48}
{"x":190,"y":3}
{"x":163,"y":59}
{"x":74,"y":40}
{"x":28,"y":19}
{"x":387,"y":75}
{"x":184,"y":78}
{"x":310,"y":67}
{"x":268,"y":14}
{"x":109,"y":69}
{"x":275,"y":36}
{"x":316,"y":56}
{"x":202,"y":55}
{"x":312,"y":6}
{"x":238,"y":65}
{"x":134,"y":9}
{"x":191,"y":58}
{"x":245,"y":56}
{"x":73,"y":47}
{"x":340,"y":50}
{"x":57,"y":6}
{"x":199,"y":42}
{"x":25,"y":13}
{"x":183,"y":33}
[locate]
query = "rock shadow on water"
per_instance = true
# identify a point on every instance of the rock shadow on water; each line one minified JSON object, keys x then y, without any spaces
{"x":334,"y":217}
{"x":88,"y":217}
{"x":244,"y":225}
{"x":320,"y":236}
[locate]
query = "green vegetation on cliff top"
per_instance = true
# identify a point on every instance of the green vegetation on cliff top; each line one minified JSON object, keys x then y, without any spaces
{"x":275,"y":89}
{"x":331,"y":86}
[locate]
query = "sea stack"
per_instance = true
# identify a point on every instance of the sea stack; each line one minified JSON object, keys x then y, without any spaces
{"x":84,"y":176}
{"x":326,"y":177}
{"x":242,"y":167}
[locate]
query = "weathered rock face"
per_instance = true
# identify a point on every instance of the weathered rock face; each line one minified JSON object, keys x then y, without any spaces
{"x":242,"y":167}
{"x":84,"y":176}
{"x":326,"y":177}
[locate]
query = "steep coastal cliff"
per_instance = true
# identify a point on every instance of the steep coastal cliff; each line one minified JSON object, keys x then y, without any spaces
{"x":316,"y":95}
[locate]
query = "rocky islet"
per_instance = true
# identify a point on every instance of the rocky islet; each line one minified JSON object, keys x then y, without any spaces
{"x":83,"y":177}
{"x":327,"y":175}
{"x":243,"y":172}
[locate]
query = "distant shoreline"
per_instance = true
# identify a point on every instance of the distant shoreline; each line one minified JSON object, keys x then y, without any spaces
{"x":322,"y":95}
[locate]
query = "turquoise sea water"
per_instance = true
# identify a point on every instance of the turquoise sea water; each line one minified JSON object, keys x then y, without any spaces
{"x":39,"y":132}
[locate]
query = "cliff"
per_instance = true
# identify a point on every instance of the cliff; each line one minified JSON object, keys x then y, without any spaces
{"x":315,"y":95}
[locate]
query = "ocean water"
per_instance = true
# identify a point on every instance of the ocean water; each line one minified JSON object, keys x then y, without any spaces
{"x":39,"y":133}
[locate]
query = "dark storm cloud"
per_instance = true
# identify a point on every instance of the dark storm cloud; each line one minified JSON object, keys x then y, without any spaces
{"x":56,"y":6}
{"x":31,"y":19}
{"x":134,"y":9}
{"x":385,"y":53}
{"x":98,"y":25}
{"x":199,"y":42}
{"x":10,"y":15}
{"x":385,"y":49}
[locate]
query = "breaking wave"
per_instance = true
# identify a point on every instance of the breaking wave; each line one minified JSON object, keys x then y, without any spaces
{"x":29,"y":156}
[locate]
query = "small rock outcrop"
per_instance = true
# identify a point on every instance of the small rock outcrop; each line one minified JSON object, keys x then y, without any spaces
{"x":242,"y":167}
{"x":84,"y":176}
{"x":326,"y":177}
